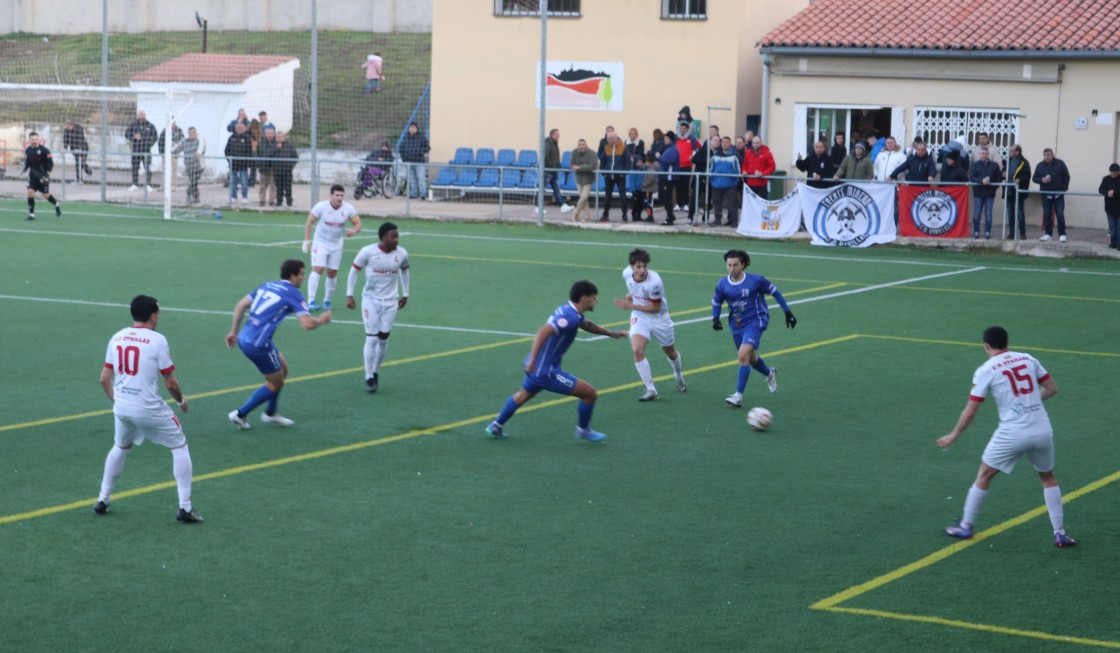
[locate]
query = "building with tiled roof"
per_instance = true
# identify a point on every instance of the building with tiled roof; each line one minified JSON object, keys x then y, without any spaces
{"x":210,"y":89}
{"x":1039,"y":74}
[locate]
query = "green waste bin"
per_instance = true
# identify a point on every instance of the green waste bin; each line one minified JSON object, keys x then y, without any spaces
{"x":778,"y":186}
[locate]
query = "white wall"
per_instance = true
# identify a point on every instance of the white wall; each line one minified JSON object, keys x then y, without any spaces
{"x":140,"y":16}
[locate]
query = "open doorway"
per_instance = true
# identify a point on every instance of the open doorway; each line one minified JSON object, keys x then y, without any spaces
{"x":856,"y":123}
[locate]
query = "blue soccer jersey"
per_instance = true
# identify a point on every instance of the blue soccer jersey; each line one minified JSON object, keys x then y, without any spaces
{"x":565,"y":322}
{"x":746,"y":301}
{"x":272,"y":302}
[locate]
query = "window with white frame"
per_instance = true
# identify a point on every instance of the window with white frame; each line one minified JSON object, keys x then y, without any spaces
{"x":533,"y":7}
{"x":684,"y":9}
{"x":939,"y":125}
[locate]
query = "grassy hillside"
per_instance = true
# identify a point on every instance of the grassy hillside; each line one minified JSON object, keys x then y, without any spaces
{"x":347,"y":118}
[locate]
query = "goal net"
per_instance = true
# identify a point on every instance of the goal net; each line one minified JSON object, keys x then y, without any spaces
{"x":108,"y":144}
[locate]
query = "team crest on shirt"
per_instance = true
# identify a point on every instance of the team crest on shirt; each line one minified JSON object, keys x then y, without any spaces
{"x":562,"y":322}
{"x":934,"y":212}
{"x":846,"y":217}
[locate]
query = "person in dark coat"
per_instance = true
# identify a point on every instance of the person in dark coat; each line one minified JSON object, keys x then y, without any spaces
{"x":1017,"y":170}
{"x":818,"y":167}
{"x":1110,"y":188}
{"x":74,"y":139}
{"x":141,"y":136}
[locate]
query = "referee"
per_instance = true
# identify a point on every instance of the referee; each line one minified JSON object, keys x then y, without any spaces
{"x":37,"y":160}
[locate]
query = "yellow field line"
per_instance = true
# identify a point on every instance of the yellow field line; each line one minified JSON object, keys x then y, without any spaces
{"x":1034,"y":634}
{"x":977,"y":344}
{"x":1004,"y":293}
{"x":322,"y":453}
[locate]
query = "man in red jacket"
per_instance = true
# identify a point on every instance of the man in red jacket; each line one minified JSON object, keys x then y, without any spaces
{"x":688,"y":146}
{"x":758,"y":163}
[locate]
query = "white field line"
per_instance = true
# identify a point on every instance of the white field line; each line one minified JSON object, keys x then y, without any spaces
{"x":227,"y":314}
{"x":844,"y":293}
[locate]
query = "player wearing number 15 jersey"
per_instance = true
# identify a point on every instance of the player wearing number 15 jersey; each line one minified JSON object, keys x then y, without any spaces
{"x":267,"y":307}
{"x":136,"y":358}
{"x":1019,"y":384}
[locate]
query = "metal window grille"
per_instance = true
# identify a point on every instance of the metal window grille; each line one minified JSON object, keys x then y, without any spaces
{"x":533,"y":7}
{"x":684,"y":9}
{"x":939,"y":125}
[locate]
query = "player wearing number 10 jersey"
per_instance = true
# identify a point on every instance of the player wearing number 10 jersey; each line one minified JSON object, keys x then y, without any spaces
{"x":267,"y":307}
{"x":136,"y":358}
{"x":1019,"y":384}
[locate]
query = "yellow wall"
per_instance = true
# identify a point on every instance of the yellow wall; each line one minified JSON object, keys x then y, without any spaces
{"x":484,"y":69}
{"x":1049,"y":111}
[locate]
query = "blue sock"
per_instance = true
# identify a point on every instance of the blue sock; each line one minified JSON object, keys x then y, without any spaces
{"x":744,"y":374}
{"x":585,"y":410}
{"x":508,"y":410}
{"x":262,"y":395}
{"x":760,"y":365}
{"x":272,"y":402}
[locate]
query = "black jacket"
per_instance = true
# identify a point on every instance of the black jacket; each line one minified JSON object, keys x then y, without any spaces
{"x":1111,"y":204}
{"x":917,"y":168}
{"x":414,"y":147}
{"x":285,"y":157}
{"x":74,"y":139}
{"x":1056,"y":170}
{"x":954,"y":174}
{"x":818,"y":165}
{"x":147,"y":132}
{"x":976,"y":174}
{"x":238,"y":150}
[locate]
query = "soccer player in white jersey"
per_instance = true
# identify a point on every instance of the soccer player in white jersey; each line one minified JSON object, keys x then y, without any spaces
{"x":649,"y":319}
{"x":386,"y":264}
{"x":326,"y":249}
{"x":135,"y":359}
{"x":1019,"y":384}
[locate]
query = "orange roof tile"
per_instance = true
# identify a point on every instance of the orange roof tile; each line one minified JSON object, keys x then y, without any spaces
{"x":943,"y":25}
{"x":210,"y":68}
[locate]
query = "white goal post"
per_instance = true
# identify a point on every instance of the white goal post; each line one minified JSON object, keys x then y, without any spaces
{"x":85,"y":127}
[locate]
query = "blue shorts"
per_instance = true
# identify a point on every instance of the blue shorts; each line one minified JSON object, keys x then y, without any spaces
{"x":266,"y":357}
{"x":748,"y":335}
{"x":557,"y":381}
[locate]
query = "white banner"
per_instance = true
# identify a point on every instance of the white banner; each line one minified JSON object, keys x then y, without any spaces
{"x":849,"y":215}
{"x":769,"y":219}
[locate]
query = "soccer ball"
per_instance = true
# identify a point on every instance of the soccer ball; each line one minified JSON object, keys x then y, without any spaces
{"x":759,"y":418}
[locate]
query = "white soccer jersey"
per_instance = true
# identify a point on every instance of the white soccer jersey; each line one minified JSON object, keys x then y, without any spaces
{"x":1014,"y":380}
{"x":332,"y":222}
{"x":382,"y":271}
{"x":138,"y":357}
{"x":646,"y":293}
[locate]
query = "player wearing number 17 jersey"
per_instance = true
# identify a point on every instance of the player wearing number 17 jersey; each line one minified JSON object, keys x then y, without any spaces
{"x":267,"y":307}
{"x":136,"y":358}
{"x":1019,"y":384}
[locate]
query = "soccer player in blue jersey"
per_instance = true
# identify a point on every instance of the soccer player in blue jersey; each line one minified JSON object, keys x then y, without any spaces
{"x":267,"y":307}
{"x":748,"y":315}
{"x":542,"y":365}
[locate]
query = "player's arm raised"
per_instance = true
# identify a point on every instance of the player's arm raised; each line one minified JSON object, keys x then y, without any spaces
{"x":591,"y":327}
{"x":238,"y":313}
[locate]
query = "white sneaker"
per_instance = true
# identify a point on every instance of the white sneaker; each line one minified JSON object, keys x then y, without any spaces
{"x":735,"y":400}
{"x":244,"y":201}
{"x":566,"y":208}
{"x":1061,"y":239}
{"x":277,"y":419}
{"x":772,"y":380}
{"x":239,"y":421}
{"x":133,"y":188}
{"x":681,"y":385}
{"x":1045,"y":237}
{"x":148,"y":188}
{"x":650,"y":395}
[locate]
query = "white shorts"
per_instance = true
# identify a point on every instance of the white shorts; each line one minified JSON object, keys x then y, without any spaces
{"x":378,"y":315}
{"x":323,"y":256}
{"x":160,"y":426}
{"x":659,"y":330}
{"x":1003,"y":451}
